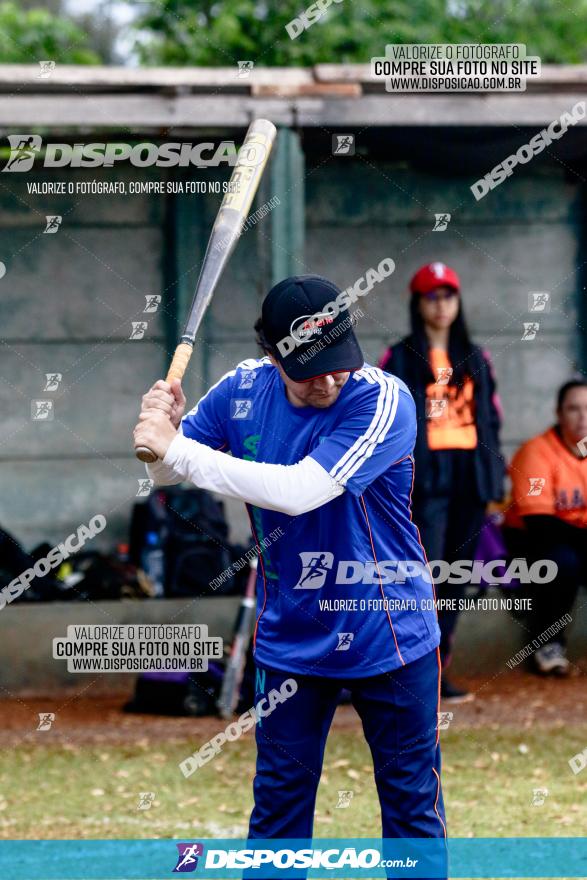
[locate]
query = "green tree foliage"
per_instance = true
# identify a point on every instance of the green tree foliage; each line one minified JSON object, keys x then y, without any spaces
{"x":220,"y":32}
{"x":31,"y":35}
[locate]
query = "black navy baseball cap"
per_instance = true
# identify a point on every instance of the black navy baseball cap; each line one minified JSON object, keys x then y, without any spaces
{"x":307,"y":323}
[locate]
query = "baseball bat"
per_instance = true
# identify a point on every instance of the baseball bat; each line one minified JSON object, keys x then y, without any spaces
{"x":244,"y":181}
{"x":235,"y":667}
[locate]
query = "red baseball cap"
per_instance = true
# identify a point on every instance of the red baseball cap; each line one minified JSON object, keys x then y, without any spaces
{"x":434,"y":275}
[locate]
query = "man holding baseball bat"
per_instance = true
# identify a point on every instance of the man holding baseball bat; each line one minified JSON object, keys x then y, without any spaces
{"x":321,"y":446}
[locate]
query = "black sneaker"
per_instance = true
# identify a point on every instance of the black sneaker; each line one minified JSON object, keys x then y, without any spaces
{"x":551,"y":659}
{"x":452,"y":694}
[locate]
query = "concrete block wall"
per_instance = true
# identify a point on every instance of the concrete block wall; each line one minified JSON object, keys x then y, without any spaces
{"x":522,"y":237}
{"x":67,"y":301}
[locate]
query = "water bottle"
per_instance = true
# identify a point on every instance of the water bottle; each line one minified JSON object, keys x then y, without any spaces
{"x":153,"y":562}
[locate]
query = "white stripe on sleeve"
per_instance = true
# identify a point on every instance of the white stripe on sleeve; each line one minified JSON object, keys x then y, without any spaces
{"x":376,"y":432}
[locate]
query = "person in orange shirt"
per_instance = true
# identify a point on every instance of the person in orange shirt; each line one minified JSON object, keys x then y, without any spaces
{"x":459,"y":466}
{"x":549,"y":503}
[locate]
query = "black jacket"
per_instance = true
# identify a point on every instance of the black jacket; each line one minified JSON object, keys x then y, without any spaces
{"x":405,"y":362}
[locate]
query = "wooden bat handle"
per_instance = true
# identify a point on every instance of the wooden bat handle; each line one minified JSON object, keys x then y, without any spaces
{"x":181,"y":359}
{"x":143,"y":453}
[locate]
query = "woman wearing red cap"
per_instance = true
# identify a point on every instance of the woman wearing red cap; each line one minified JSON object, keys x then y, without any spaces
{"x":459,"y":467}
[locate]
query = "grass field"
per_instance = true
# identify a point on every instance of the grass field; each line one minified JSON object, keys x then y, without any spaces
{"x":64,"y":790}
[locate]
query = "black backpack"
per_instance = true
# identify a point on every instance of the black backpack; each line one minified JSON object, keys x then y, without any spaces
{"x":14,"y":560}
{"x":193,"y":535}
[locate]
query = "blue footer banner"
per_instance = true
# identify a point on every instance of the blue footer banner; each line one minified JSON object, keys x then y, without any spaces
{"x":412,"y":859}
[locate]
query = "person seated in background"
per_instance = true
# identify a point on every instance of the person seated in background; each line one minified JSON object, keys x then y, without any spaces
{"x":549,"y":503}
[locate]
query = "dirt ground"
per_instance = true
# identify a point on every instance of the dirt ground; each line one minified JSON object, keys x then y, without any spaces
{"x":518,"y":700}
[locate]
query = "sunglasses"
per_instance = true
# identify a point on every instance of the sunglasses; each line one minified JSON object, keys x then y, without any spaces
{"x":438,"y":296}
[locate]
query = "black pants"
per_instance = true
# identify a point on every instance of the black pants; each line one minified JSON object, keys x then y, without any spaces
{"x":551,"y":601}
{"x":450,"y":524}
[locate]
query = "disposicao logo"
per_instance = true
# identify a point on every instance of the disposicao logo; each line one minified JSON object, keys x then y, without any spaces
{"x":188,"y":855}
{"x":25,"y":148}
